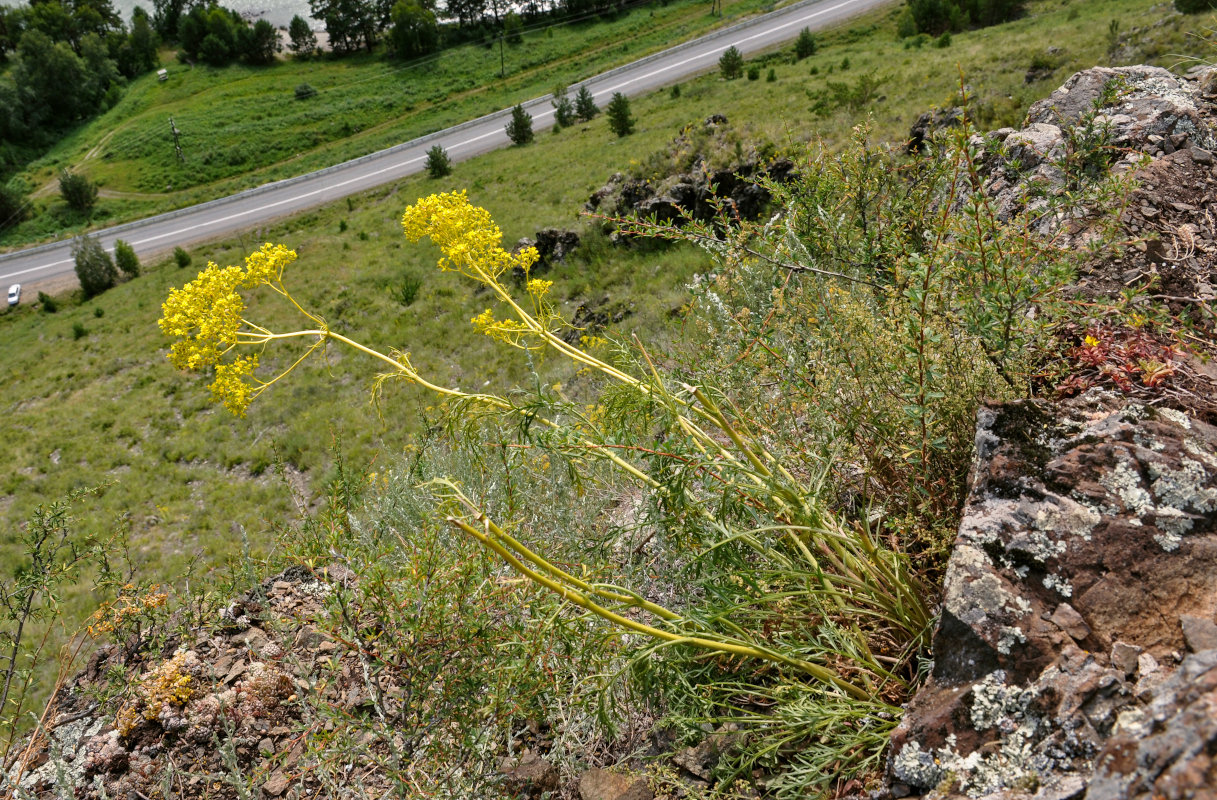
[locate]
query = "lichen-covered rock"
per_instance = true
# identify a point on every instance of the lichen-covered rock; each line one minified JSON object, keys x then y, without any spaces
{"x":1134,"y":112}
{"x":1089,"y":533}
{"x":694,"y":184}
{"x":1165,"y":750}
{"x":1138,"y":103}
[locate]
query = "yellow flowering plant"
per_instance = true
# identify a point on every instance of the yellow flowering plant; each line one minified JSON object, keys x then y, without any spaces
{"x":844,"y":573}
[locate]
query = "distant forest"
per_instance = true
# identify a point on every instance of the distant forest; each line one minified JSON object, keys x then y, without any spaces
{"x":63,"y":61}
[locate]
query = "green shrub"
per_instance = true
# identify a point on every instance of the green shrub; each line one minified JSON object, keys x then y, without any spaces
{"x":49,"y":555}
{"x":906,"y":26}
{"x":77,"y":191}
{"x":79,"y":331}
{"x":181,"y":257}
{"x":47,"y":303}
{"x":125,"y":259}
{"x":407,"y":292}
{"x":438,"y":162}
{"x":1195,"y":6}
{"x":852,"y":97}
{"x":94,"y":267}
{"x":98,"y":312}
{"x":731,"y":63}
{"x":943,"y":41}
{"x":674,"y":92}
{"x":805,"y":45}
{"x":585,"y":105}
{"x":754,"y":73}
{"x":519,"y":127}
{"x":304,"y":91}
{"x":564,"y":108}
{"x":771,"y":76}
{"x":618,"y":113}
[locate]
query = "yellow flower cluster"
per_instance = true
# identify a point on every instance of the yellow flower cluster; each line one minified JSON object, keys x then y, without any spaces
{"x":509,"y":331}
{"x":231,"y":387}
{"x":466,"y":235}
{"x":164,"y":688}
{"x":205,"y":316}
{"x":112,"y":616}
{"x":539,"y":288}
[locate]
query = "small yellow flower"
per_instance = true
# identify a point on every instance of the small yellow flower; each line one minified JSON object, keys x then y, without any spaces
{"x":539,"y":288}
{"x":509,"y":331}
{"x":1090,"y":341}
{"x":466,"y":235}
{"x":230,"y":386}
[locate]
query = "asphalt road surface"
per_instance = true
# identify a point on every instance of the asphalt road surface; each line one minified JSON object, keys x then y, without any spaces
{"x":254,"y":207}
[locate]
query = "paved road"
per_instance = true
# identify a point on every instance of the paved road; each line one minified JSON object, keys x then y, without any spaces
{"x":274,"y":200}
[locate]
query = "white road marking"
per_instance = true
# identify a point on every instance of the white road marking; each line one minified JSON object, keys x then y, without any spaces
{"x":541,"y":114}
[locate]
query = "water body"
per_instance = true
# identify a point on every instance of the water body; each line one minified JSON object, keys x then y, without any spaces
{"x":276,"y":12}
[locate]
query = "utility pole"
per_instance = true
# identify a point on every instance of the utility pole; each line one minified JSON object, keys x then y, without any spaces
{"x":502,"y":63}
{"x":177,"y":145}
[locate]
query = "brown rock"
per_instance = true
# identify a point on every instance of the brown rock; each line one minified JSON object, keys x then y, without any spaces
{"x":276,"y":785}
{"x":1070,"y":621}
{"x":530,"y":776}
{"x":1096,"y":517}
{"x":701,"y":760}
{"x":1200,"y":633}
{"x":1124,"y":657}
{"x":599,"y":784}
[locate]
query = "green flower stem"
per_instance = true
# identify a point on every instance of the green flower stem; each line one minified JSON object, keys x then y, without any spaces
{"x":820,"y":673}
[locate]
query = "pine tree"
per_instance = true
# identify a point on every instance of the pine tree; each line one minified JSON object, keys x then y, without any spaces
{"x":564,"y":109}
{"x":519,"y":129}
{"x":438,"y":163}
{"x":731,"y":64}
{"x":585,"y":106}
{"x":618,"y":111}
{"x":805,"y":45}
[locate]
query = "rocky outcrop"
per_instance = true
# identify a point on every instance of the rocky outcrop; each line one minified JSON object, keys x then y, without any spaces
{"x":1084,"y":572}
{"x":225,"y":699}
{"x":699,"y":192}
{"x":1076,"y":651}
{"x":553,"y":246}
{"x":932,"y":123}
{"x":1100,"y":118}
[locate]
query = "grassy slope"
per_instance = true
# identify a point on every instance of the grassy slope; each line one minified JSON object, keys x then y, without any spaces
{"x":242,"y":126}
{"x":106,"y":408}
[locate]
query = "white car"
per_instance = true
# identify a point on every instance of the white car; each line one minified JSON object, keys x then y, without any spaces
{"x":14,"y":294}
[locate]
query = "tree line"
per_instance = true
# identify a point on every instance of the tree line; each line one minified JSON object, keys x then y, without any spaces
{"x":67,"y":59}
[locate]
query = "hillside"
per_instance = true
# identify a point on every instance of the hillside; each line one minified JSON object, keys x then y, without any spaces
{"x":392,"y":659}
{"x":242,"y":126}
{"x":797,"y":444}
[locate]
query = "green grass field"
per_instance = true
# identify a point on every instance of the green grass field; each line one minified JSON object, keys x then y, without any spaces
{"x":243,"y":126}
{"x":105,"y":408}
